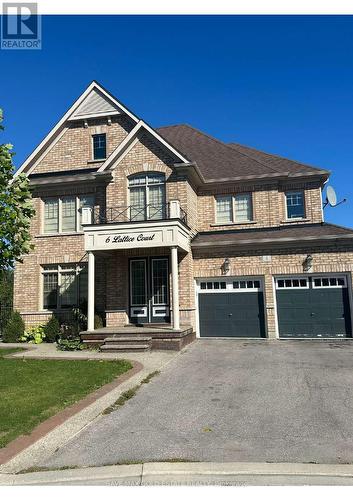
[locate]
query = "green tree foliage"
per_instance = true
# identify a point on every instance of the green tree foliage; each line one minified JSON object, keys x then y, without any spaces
{"x":16,"y":210}
{"x":14,"y":328}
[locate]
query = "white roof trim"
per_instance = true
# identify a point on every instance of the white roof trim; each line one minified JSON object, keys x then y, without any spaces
{"x":125,"y":143}
{"x":57,"y":128}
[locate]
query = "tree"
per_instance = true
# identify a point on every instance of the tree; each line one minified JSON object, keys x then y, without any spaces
{"x":16,"y":210}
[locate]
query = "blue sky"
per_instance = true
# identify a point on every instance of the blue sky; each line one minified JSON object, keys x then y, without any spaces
{"x":283,"y":84}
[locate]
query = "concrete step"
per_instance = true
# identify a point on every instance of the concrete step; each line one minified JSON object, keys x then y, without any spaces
{"x":127,"y":339}
{"x":126,"y":347}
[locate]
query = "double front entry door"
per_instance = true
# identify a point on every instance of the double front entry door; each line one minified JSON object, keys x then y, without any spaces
{"x":149,"y":290}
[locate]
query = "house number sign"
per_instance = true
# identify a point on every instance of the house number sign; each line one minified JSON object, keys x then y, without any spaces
{"x":126,"y":238}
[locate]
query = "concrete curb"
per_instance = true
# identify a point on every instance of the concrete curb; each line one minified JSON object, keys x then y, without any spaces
{"x":186,"y":472}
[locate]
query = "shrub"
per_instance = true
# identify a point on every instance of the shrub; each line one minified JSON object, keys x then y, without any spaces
{"x":65,"y":344}
{"x":52,"y":329}
{"x":34,"y":335}
{"x":14,"y":328}
{"x":98,"y":322}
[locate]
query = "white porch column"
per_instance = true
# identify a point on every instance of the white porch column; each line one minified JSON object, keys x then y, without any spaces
{"x":175,"y":285}
{"x":90,"y":312}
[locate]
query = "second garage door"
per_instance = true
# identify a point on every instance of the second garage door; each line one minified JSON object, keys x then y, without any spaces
{"x":232,"y":308}
{"x":313,"y":307}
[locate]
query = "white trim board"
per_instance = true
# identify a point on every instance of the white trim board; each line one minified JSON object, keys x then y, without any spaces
{"x":27,"y":166}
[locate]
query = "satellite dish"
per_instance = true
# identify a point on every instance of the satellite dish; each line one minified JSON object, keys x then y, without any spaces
{"x":331,"y":196}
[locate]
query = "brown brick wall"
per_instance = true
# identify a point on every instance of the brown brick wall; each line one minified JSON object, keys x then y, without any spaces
{"x":74,"y":149}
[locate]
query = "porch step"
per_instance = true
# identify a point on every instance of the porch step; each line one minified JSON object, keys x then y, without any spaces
{"x":120,"y":347}
{"x":127,"y":339}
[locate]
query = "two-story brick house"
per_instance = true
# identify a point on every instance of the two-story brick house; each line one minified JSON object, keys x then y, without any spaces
{"x":174,"y":227}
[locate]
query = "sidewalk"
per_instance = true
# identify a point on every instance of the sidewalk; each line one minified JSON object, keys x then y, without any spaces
{"x":206,"y":473}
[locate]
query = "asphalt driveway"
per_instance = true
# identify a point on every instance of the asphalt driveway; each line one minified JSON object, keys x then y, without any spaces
{"x":231,"y":400}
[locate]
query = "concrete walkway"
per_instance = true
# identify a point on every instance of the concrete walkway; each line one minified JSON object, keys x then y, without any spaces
{"x":57,"y":438}
{"x":169,"y":474}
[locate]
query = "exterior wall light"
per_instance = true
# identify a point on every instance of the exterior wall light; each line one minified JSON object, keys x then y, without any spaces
{"x":225,"y":266}
{"x":308,"y":263}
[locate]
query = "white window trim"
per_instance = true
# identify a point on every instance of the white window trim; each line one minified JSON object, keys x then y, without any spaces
{"x":344,"y":278}
{"x":291,"y":278}
{"x":93,"y":159}
{"x":234,"y":221}
{"x":77,"y":208}
{"x":292,"y":191}
{"x":229,"y":284}
{"x":59,"y":269}
{"x":163,"y":182}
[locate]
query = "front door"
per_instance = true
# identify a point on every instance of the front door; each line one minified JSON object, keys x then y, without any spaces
{"x":149,"y":290}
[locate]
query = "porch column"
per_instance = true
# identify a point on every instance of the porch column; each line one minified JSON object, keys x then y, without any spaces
{"x":175,"y":285}
{"x":90,"y":311}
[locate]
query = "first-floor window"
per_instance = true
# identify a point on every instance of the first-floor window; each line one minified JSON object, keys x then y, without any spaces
{"x":236,"y":208}
{"x":64,"y":286}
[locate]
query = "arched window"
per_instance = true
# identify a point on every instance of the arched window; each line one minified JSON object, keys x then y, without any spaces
{"x":147,"y":196}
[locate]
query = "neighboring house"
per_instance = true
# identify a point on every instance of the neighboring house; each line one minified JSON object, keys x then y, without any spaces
{"x":170,"y":225}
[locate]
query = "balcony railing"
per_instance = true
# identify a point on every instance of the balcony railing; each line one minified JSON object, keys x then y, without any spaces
{"x":133,"y":213}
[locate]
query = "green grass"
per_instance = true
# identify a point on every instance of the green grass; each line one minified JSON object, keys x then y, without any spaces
{"x":130,"y":393}
{"x":33,"y":390}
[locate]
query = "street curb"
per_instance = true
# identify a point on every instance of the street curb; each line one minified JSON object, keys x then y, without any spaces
{"x":187,"y":471}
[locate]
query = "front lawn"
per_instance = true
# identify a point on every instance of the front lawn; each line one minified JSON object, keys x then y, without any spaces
{"x":33,"y":390}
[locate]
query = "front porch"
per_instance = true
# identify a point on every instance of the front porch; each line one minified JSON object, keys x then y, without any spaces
{"x":139,"y":338}
{"x":141,"y":259}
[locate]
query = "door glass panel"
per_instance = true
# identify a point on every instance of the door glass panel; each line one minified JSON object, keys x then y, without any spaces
{"x":138,"y":283}
{"x":160,"y":281}
{"x":138,"y":203}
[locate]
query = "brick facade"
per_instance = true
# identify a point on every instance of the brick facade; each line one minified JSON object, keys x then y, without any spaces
{"x":73,"y":151}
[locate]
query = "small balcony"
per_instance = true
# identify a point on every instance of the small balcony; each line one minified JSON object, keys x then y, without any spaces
{"x":128,"y":227}
{"x":133,"y":213}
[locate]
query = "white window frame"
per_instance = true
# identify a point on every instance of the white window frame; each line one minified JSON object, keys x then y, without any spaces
{"x":295,"y":191}
{"x":59,"y":269}
{"x":229,"y":285}
{"x":92,"y":147}
{"x":147,"y":185}
{"x":291,"y":279}
{"x":233,"y":209}
{"x":344,"y":278}
{"x":77,"y":209}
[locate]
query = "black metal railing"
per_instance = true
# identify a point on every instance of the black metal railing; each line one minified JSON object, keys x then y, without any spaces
{"x":134,"y":213}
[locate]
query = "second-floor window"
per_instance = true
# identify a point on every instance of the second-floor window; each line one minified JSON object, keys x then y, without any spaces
{"x":147,"y":196}
{"x":234,"y":208}
{"x":295,"y":204}
{"x":63,"y":214}
{"x":99,"y":146}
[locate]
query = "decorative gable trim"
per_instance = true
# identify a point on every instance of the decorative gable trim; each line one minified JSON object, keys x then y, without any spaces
{"x":30,"y":163}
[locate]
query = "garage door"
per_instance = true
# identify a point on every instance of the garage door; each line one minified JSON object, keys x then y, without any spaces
{"x":313,"y":307}
{"x":231,"y":308}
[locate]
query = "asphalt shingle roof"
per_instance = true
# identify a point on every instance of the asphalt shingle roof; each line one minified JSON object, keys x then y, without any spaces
{"x":217,"y":160}
{"x":297,"y":232}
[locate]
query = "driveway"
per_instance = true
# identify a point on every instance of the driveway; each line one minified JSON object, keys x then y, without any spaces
{"x":231,"y":400}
